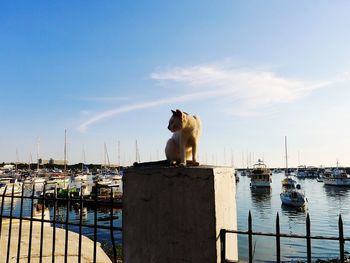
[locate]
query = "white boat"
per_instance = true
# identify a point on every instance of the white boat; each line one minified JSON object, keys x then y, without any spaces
{"x":291,"y":195}
{"x":336,"y":177}
{"x":260,"y":175}
{"x":83,"y":183}
{"x":39,"y":180}
{"x":10,"y":184}
{"x":58,"y":182}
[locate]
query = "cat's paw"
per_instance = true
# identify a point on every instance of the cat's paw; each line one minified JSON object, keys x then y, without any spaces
{"x":195,"y":164}
{"x":182,"y":164}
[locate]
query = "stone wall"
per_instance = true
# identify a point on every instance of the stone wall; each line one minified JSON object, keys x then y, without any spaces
{"x":174,"y":214}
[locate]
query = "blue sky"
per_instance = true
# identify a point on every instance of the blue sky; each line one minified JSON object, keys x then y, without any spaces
{"x":109,"y":71}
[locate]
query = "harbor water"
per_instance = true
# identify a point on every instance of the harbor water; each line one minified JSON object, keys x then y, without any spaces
{"x":106,"y":217}
{"x":325,"y":203}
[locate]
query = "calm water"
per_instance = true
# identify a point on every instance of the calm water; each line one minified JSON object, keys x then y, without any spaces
{"x":103,"y":219}
{"x":325,"y":203}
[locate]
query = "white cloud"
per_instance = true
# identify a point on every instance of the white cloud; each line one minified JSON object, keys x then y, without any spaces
{"x":250,"y":90}
{"x":133,"y":107}
{"x":106,"y":99}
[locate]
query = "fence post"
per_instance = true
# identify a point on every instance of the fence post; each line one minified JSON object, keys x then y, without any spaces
{"x":95,"y":222}
{"x":31,"y":224}
{"x":67,"y":226}
{"x":341,"y":239}
{"x":42,"y":224}
{"x":308,"y":238}
{"x":111,"y":227}
{"x":278,"y":241}
{"x":54,"y":225}
{"x":10,"y":227}
{"x":80,"y":220}
{"x":250,"y":237}
{"x":2,"y":207}
{"x":20,"y":226}
{"x":223,"y":245}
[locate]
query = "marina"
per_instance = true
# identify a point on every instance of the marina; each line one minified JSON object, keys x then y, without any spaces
{"x":325,"y":203}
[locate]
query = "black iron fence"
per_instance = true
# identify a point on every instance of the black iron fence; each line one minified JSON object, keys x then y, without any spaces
{"x":39,"y":203}
{"x":278,"y":235}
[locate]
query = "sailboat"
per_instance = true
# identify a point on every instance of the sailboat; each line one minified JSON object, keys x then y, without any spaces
{"x":287,"y":182}
{"x":291,"y":194}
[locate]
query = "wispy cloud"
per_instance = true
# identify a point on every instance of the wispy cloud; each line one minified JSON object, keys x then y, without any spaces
{"x":250,"y":90}
{"x":133,"y":107}
{"x":106,"y":99}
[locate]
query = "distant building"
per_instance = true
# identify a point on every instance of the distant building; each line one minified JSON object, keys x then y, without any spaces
{"x":52,"y":162}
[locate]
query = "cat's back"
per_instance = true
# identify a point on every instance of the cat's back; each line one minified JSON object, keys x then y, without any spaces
{"x":195,"y":126}
{"x":198,"y":120}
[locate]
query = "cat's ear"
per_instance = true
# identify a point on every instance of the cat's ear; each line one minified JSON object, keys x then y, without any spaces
{"x":178,"y":113}
{"x":174,"y":112}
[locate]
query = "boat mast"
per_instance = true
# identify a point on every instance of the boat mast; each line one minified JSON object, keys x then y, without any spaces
{"x":285,"y":147}
{"x":118,"y":153}
{"x":106,"y":156}
{"x":242,"y":160}
{"x":137,"y":153}
{"x":225,"y":156}
{"x":232,"y":158}
{"x":30,"y":160}
{"x":84,"y":160}
{"x":65,"y":152}
{"x":37,"y":155}
{"x":16,"y":159}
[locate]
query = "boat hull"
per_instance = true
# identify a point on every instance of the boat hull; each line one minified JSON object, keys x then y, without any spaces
{"x":260,"y":184}
{"x":293,"y":199}
{"x":337,"y":181}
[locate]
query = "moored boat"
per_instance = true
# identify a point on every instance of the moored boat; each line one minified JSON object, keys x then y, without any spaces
{"x":336,"y":177}
{"x":291,"y":194}
{"x":260,"y":175}
{"x":293,"y":197}
{"x":10,"y":185}
{"x":301,"y":171}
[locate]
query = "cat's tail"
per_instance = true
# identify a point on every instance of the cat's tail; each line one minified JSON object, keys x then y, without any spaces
{"x":157,"y":163}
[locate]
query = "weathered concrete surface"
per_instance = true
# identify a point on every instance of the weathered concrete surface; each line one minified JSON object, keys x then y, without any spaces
{"x":175,"y":214}
{"x":73,"y":243}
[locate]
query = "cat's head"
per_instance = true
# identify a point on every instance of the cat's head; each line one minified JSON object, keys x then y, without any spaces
{"x":176,"y":121}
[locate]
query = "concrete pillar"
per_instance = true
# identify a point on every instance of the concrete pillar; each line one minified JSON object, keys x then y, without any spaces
{"x":174,"y":214}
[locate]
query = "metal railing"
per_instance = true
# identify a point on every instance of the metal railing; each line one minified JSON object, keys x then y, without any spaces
{"x":278,"y":235}
{"x":41,"y":201}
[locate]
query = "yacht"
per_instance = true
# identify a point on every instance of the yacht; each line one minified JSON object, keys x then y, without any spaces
{"x":260,"y":175}
{"x":336,"y":177}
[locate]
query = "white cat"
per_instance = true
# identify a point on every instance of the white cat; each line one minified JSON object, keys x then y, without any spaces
{"x":184,"y":142}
